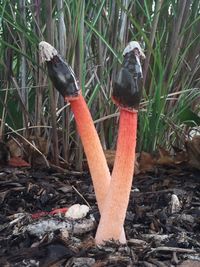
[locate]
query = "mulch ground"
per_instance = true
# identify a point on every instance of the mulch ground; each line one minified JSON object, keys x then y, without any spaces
{"x":162,"y":223}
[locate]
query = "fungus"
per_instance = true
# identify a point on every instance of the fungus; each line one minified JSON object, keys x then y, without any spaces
{"x":126,"y":94}
{"x":65,"y":82}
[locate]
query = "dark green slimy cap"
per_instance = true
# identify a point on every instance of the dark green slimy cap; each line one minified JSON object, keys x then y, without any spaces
{"x":60,"y":73}
{"x":127,"y":89}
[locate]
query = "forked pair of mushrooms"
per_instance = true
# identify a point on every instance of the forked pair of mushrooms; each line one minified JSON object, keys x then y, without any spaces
{"x":112,"y":192}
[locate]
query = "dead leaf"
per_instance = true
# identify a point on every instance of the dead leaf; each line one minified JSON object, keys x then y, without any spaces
{"x":110,"y":157}
{"x":36,"y":159}
{"x":146,"y":163}
{"x":137,"y":165}
{"x":180,"y":155}
{"x":41,"y":144}
{"x":164,"y":157}
{"x":193,"y":150}
{"x":15,"y":148}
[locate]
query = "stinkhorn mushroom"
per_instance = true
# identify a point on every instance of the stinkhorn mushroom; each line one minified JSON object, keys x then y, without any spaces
{"x":126,"y":94}
{"x":65,"y":82}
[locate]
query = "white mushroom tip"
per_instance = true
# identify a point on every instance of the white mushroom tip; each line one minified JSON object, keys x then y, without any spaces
{"x":47,"y":51}
{"x":131,"y":46}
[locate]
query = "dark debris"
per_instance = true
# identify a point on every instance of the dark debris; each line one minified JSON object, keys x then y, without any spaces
{"x":160,"y":232}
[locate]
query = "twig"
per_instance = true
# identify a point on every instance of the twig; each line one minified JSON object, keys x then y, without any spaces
{"x":31,"y":127}
{"x":22,"y":88}
{"x":34,"y":147}
{"x":81,"y":196}
{"x":173,"y":249}
{"x":3,"y":114}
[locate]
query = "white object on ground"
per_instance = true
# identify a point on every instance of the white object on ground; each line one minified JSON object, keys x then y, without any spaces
{"x":77,"y":211}
{"x":175,"y":204}
{"x":48,"y":225}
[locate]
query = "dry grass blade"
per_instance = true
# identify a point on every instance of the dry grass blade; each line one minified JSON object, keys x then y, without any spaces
{"x":81,"y":196}
{"x":91,"y":37}
{"x":33,"y":146}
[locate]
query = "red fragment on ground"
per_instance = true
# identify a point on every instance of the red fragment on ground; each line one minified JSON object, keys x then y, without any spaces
{"x":56,"y":211}
{"x":39,"y":214}
{"x":44,"y":213}
{"x":18,"y":162}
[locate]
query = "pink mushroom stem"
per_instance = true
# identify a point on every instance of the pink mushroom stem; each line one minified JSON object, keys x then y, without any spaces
{"x":65,"y":82}
{"x":126,"y":94}
{"x":116,"y":203}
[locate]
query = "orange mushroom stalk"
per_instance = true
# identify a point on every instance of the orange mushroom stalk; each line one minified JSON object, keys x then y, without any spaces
{"x":126,"y":94}
{"x":65,"y":82}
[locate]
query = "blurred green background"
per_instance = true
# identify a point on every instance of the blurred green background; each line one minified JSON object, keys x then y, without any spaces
{"x":91,"y":36}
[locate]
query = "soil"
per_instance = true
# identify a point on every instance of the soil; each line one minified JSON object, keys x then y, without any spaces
{"x":162,"y":223}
